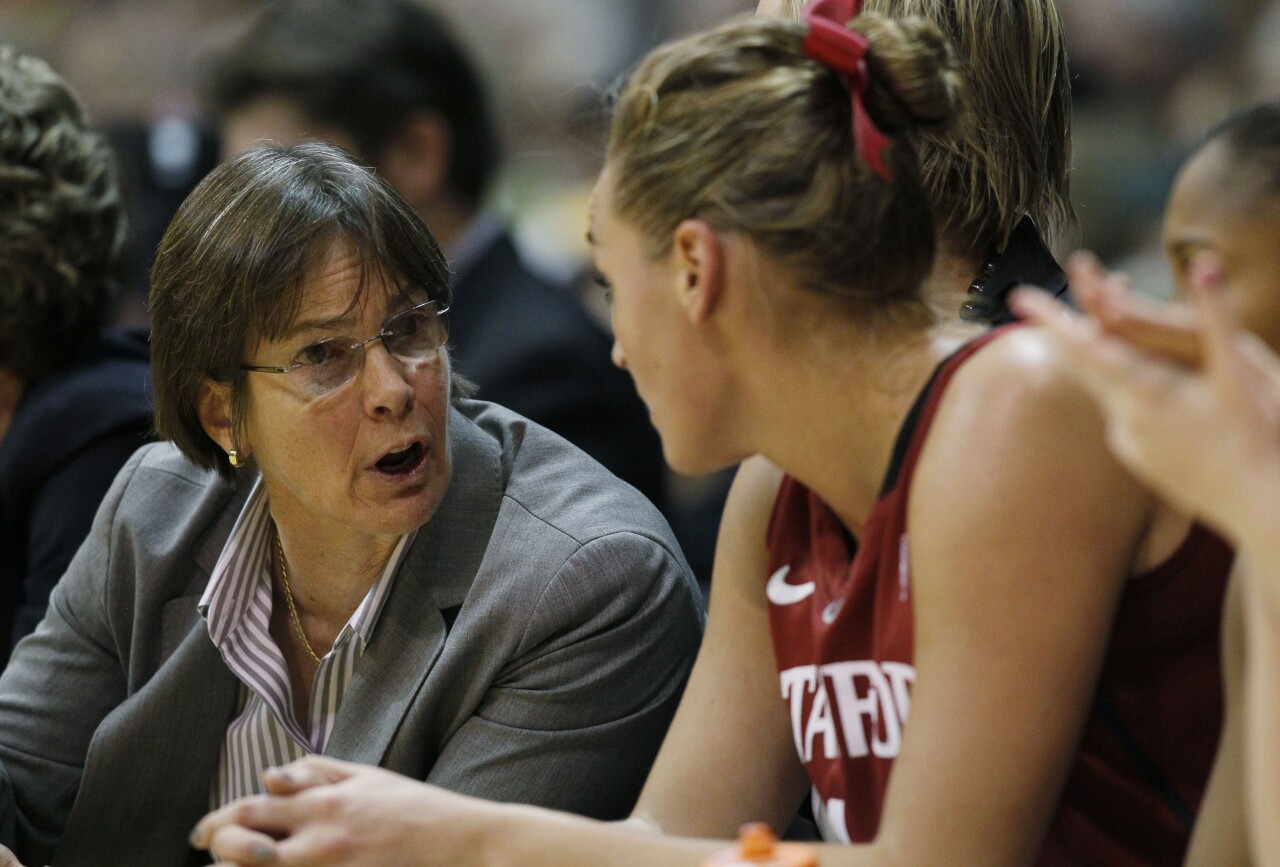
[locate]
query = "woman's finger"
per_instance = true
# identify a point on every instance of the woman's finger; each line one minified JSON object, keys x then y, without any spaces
{"x":304,"y":774}
{"x":1108,"y":367}
{"x":1169,"y":330}
{"x":1041,"y":307}
{"x":1207,"y":280}
{"x":236,"y":845}
{"x":261,"y":813}
{"x":1085,"y":275}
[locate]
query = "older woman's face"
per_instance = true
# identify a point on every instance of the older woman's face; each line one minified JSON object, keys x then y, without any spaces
{"x":372,"y":455}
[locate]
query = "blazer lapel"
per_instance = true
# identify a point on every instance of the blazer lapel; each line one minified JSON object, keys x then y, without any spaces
{"x":435,"y":574}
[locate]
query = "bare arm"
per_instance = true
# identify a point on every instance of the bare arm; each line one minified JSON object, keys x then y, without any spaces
{"x":728,"y":757}
{"x":1262,"y":695}
{"x":1220,"y":835}
{"x":1174,"y":384}
{"x":1023,"y":532}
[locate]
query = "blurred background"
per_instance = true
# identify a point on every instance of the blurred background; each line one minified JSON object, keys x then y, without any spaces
{"x":1150,"y":77}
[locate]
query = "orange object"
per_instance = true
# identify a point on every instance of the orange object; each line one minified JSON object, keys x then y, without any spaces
{"x":758,"y":847}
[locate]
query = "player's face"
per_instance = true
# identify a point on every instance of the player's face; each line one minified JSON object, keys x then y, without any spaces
{"x":655,"y":341}
{"x":1215,"y":208}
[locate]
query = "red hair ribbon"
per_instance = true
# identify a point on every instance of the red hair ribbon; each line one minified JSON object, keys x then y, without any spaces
{"x":833,"y":44}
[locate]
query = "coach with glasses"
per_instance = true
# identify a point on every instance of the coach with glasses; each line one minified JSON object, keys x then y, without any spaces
{"x":337,"y":552}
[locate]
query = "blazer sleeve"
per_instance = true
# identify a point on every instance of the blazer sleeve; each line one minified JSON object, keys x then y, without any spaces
{"x":574,"y":720}
{"x":61,"y":516}
{"x":59,"y":685}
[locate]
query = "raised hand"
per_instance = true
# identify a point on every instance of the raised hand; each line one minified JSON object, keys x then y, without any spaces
{"x":1192,"y":404}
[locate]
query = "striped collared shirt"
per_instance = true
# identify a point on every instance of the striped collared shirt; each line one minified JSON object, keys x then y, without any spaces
{"x":236,"y":607}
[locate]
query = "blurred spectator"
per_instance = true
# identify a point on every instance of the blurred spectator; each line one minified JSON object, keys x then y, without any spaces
{"x":387,"y":81}
{"x":132,"y":65}
{"x":1150,"y":77}
{"x":74,"y":400}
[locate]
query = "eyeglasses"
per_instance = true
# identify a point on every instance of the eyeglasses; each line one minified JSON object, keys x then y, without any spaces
{"x":328,"y":364}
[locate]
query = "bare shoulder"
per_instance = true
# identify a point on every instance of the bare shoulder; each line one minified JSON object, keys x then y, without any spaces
{"x":1018,"y":392}
{"x":755,"y":486}
{"x":1016,"y":433}
{"x":750,"y":503}
{"x":1027,"y":361}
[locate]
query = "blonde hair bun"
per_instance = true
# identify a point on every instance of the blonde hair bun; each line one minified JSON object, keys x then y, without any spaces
{"x":915,"y":80}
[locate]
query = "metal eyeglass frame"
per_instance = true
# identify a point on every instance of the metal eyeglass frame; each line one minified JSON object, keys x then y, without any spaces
{"x":360,"y":345}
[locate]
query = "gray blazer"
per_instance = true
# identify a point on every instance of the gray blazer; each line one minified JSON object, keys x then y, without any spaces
{"x":533,"y":649}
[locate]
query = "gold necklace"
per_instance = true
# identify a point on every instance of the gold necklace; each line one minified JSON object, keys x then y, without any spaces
{"x":293,"y":609}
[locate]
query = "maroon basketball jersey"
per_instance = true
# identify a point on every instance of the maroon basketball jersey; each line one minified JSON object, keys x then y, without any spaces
{"x":841,"y":617}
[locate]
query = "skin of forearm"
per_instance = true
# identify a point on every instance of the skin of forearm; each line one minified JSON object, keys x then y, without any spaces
{"x":1262,"y":761}
{"x":1259,"y":555}
{"x":571,"y":841}
{"x":521,"y":833}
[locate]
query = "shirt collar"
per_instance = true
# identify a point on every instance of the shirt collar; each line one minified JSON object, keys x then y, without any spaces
{"x":245,"y":564}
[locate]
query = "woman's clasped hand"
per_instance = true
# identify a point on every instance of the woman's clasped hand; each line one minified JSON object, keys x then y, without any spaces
{"x":323,"y":811}
{"x":1177,"y":382}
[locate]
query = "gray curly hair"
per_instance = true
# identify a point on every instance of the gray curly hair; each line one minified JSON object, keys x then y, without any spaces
{"x":62,"y":220}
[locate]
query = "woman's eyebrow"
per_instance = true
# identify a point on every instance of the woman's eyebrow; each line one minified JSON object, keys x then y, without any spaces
{"x":328,"y":324}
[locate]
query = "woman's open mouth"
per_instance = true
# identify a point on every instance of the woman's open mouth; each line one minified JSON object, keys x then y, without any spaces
{"x":402,"y":461}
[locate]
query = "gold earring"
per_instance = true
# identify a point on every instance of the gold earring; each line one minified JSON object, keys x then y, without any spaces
{"x":233,"y":457}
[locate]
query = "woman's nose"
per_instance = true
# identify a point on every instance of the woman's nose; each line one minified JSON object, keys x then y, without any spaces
{"x":385,"y":380}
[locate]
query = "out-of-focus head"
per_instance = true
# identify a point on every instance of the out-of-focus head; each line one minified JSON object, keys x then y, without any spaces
{"x":358,"y":73}
{"x":62,"y":222}
{"x":739,"y":130}
{"x":1226,"y":201}
{"x":235,"y":267}
{"x":1012,"y":156}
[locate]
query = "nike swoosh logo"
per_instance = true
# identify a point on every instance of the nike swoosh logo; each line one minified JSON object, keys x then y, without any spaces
{"x":782,"y":593}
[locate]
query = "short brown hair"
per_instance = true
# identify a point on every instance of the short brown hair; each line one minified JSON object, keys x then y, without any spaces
{"x":738,"y":126}
{"x":62,"y":221}
{"x":231,"y":267}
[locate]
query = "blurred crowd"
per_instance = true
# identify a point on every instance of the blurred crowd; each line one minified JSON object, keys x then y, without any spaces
{"x":1150,"y":76}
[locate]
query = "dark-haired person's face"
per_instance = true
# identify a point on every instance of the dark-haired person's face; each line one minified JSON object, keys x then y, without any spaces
{"x":369,"y":456}
{"x":1218,"y":208}
{"x":274,"y":120}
